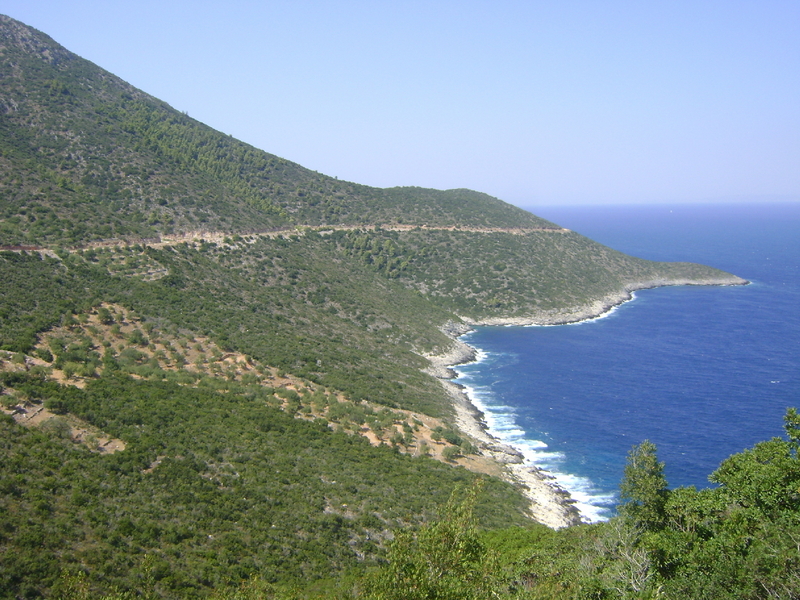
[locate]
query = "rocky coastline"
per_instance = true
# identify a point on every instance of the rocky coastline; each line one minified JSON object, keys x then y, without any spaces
{"x":603,"y":305}
{"x":550,"y":504}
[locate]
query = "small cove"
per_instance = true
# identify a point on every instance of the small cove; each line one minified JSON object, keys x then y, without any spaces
{"x":701,"y":371}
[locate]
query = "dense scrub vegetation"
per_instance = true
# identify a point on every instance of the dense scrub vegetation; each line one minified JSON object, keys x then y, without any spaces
{"x":211,"y":488}
{"x":127,"y":530}
{"x":286,"y":303}
{"x":481,"y":275}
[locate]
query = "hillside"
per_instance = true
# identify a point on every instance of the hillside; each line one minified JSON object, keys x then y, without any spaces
{"x":86,"y":156}
{"x":252,"y":338}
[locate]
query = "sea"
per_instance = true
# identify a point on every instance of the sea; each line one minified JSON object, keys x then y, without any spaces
{"x":702,"y":372}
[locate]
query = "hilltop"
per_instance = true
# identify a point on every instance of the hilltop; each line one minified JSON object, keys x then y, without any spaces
{"x":261,"y":344}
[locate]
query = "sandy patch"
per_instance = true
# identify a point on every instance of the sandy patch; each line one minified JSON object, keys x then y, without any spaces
{"x":36,"y":415}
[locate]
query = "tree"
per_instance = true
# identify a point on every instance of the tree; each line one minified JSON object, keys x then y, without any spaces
{"x":644,"y":487}
{"x":791,"y":425}
{"x":627,"y":566}
{"x":765,"y":478}
{"x":451,"y":453}
{"x":445,"y":560}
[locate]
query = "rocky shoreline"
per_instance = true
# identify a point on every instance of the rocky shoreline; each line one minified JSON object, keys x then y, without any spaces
{"x":550,"y":504}
{"x":599,"y":307}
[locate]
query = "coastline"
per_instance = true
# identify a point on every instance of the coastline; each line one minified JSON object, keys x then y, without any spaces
{"x":550,"y":504}
{"x":600,"y":307}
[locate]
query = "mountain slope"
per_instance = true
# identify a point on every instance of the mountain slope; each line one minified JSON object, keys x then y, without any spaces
{"x":86,"y":156}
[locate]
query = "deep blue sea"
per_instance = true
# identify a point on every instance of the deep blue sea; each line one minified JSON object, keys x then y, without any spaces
{"x":703,"y":372}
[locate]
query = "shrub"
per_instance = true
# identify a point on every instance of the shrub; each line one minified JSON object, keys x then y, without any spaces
{"x":451,"y":453}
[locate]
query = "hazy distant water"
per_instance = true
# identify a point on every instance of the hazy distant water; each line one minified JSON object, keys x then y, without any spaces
{"x":703,"y":372}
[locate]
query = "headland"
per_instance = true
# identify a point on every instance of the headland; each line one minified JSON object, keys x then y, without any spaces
{"x":550,"y":503}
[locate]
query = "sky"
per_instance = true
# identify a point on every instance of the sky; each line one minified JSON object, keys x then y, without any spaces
{"x":537,"y":103}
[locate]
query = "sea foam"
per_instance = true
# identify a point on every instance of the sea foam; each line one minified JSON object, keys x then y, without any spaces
{"x":501,"y":423}
{"x":710,"y":357}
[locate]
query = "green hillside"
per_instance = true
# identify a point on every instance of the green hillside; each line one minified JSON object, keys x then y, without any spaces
{"x":213,"y":371}
{"x":86,"y":156}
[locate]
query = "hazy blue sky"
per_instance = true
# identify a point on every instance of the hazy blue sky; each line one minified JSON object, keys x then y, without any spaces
{"x":534,"y":102}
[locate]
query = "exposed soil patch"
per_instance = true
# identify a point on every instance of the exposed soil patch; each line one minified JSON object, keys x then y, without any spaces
{"x":110,"y":336}
{"x":69,"y":426}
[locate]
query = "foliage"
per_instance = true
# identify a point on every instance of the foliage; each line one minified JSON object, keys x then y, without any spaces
{"x":544,"y":273}
{"x":309,"y":313}
{"x":644,"y":487}
{"x":444,"y":560}
{"x":213,"y":488}
{"x":738,"y":540}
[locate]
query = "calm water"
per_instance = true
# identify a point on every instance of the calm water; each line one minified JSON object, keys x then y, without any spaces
{"x":703,"y":372}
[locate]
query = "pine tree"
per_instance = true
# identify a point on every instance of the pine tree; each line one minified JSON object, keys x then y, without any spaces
{"x":644,"y":487}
